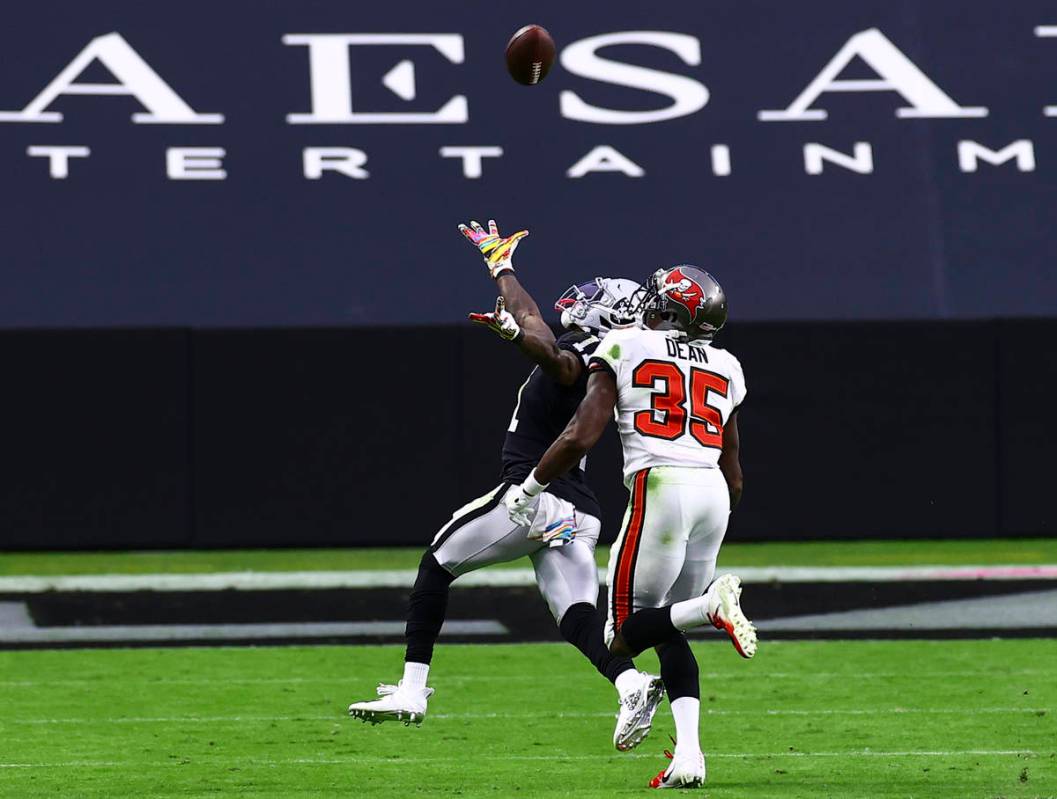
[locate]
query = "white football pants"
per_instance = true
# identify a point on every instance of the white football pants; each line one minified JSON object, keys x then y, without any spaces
{"x":668,"y":543}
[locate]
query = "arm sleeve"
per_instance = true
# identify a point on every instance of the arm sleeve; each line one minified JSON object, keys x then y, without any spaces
{"x":582,"y":346}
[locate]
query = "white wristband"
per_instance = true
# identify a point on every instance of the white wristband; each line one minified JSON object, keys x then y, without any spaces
{"x":532,"y":486}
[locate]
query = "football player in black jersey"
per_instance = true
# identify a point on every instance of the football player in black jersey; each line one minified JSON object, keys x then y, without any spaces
{"x":561,"y":541}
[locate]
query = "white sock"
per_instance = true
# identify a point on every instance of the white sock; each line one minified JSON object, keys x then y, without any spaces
{"x":415,"y":674}
{"x":690,"y":614}
{"x":627,"y":680}
{"x":686,"y":710}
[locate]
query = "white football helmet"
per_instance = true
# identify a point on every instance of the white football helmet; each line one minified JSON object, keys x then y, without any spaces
{"x":599,"y":305}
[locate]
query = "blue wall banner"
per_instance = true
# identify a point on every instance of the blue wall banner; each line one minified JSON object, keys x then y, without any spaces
{"x":300,"y":162}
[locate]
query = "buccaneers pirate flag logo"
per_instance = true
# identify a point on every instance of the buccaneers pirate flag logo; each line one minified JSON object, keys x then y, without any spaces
{"x":679,"y":288}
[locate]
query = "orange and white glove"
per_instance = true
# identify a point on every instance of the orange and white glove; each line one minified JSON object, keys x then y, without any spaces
{"x":497,"y":251}
{"x":501,"y":321}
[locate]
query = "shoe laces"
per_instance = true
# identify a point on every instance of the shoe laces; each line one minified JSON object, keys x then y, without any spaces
{"x":668,"y":752}
{"x":631,"y":698}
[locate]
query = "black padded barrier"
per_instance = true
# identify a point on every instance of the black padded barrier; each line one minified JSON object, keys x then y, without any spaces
{"x":867,"y":430}
{"x":368,"y":437}
{"x":324,"y":437}
{"x":1026,"y":422}
{"x":94,"y":434}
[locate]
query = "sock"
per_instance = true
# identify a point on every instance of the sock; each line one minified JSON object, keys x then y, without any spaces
{"x":646,"y":628}
{"x":687,"y":711}
{"x":581,"y":626}
{"x":426,"y":610}
{"x":691,"y":613}
{"x":415,"y":674}
{"x":627,"y":681}
{"x":679,"y":668}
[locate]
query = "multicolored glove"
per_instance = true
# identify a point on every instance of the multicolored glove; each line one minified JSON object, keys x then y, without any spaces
{"x":497,"y":251}
{"x":501,"y":321}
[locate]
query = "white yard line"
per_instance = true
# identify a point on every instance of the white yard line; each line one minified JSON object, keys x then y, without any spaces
{"x":340,"y":718}
{"x":501,"y":578}
{"x":403,"y":762}
{"x":507,"y":676}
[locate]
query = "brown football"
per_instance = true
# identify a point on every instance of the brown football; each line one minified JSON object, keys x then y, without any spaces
{"x":530,"y":55}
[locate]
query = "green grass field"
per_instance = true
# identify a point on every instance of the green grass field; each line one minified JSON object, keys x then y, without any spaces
{"x":958,"y":719}
{"x":1022,"y":551}
{"x":804,"y":719}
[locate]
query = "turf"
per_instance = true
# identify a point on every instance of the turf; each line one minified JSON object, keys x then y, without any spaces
{"x":804,"y":719}
{"x":1030,"y":551}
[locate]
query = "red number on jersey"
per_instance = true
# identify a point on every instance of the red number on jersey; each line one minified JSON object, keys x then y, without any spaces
{"x":667,"y":403}
{"x":701,"y":382}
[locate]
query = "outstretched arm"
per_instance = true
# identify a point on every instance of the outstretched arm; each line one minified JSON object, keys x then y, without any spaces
{"x":537,"y":340}
{"x":528,"y":330}
{"x":729,"y":463}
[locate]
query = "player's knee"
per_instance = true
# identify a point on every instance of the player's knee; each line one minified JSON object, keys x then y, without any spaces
{"x":618,"y":646}
{"x":571,"y":617}
{"x":677,"y":643}
{"x":431,"y":575}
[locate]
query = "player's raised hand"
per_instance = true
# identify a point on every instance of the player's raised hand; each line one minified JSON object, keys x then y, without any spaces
{"x":497,"y":250}
{"x":500,"y":321}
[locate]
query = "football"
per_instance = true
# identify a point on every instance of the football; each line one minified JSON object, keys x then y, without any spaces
{"x":530,"y":55}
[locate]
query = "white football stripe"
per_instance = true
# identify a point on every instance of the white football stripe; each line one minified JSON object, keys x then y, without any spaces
{"x":513,"y":674}
{"x":382,"y":761}
{"x":514,"y":715}
{"x":499,"y":578}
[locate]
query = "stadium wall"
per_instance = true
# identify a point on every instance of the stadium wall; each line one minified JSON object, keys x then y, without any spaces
{"x":167,"y":438}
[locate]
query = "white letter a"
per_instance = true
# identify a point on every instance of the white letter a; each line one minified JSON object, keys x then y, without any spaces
{"x":898,"y":74}
{"x":604,"y":158}
{"x":134,"y":77}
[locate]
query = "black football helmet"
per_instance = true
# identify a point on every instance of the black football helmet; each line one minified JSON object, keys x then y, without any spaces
{"x":683,"y":298}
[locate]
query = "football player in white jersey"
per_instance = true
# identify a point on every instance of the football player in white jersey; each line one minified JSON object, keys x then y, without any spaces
{"x":561,"y":543}
{"x":676,"y":399}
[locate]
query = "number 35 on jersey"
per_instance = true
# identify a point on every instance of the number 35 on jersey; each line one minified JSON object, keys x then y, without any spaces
{"x":673,"y":398}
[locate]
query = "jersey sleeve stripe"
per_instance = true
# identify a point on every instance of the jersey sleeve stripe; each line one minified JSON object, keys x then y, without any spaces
{"x":597,"y":364}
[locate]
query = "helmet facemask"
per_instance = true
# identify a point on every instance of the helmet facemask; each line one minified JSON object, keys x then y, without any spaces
{"x":599,"y":305}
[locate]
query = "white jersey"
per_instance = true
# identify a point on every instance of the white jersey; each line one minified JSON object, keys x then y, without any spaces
{"x":673,"y":398}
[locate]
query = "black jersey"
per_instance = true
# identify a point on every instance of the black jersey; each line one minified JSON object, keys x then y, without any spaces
{"x":544,"y":408}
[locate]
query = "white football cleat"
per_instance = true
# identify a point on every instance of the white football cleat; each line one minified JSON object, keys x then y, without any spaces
{"x":685,"y":771}
{"x":724,"y":611}
{"x":398,"y":703}
{"x":637,"y":708}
